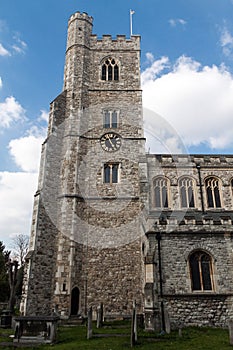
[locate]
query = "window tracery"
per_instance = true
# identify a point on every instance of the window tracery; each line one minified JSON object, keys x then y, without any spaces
{"x":186,"y":187}
{"x":213,"y":192}
{"x":160,"y":192}
{"x":110,"y":70}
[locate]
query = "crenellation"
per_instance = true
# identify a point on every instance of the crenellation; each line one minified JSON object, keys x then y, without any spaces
{"x":120,"y":43}
{"x":80,"y":16}
{"x":194,"y":159}
{"x":121,"y":37}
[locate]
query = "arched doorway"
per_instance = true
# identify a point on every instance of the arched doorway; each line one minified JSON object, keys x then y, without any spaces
{"x":74,"y":301}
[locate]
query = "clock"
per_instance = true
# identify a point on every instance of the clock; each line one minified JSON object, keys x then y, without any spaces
{"x":110,"y":142}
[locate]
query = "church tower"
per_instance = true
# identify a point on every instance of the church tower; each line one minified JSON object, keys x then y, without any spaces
{"x":87,"y":242}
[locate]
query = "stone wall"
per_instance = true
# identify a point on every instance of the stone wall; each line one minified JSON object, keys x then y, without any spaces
{"x":186,"y":230}
{"x":175,"y":166}
{"x":202,"y":310}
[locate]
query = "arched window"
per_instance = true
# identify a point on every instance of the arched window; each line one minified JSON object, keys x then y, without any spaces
{"x":111,"y":173}
{"x":213,"y":192}
{"x":186,"y":192}
{"x":160,"y":192}
{"x":110,"y":70}
{"x":201,"y":271}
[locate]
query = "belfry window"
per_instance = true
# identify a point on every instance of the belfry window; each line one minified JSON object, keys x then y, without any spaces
{"x":160,"y":193}
{"x":110,"y":70}
{"x":111,"y":173}
{"x":201,"y":271}
{"x":213,"y":192}
{"x":111,"y":119}
{"x":186,"y":192}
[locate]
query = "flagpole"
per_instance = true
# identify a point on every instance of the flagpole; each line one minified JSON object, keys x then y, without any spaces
{"x":131,"y":22}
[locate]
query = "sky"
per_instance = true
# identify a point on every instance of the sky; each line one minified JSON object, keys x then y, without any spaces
{"x":186,"y":76}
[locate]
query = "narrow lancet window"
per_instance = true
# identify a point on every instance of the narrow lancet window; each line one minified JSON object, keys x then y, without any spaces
{"x":186,"y":192}
{"x":213,"y":193}
{"x":201,"y":271}
{"x":160,"y":193}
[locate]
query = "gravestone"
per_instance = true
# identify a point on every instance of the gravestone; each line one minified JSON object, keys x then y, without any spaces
{"x":36,"y":329}
{"x":167,"y":322}
{"x":230,"y":327}
{"x":89,"y":323}
{"x":133,"y":338}
{"x":99,"y":323}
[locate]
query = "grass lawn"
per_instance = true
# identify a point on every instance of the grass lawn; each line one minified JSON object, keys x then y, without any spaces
{"x":117,"y":337}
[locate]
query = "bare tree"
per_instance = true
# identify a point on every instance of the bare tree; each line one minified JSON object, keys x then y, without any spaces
{"x":20,"y":246}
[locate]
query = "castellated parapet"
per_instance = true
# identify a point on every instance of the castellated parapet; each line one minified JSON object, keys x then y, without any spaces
{"x":120,"y":43}
{"x":81,"y":22}
{"x":86,"y":50}
{"x":80,"y":16}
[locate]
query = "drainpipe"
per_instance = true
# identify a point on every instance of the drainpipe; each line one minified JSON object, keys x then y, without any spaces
{"x":158,"y":237}
{"x":198,"y":166}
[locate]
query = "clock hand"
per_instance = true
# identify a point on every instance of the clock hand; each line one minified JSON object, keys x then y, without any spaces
{"x":110,"y":141}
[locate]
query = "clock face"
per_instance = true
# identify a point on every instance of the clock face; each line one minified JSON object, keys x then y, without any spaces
{"x":110,"y":142}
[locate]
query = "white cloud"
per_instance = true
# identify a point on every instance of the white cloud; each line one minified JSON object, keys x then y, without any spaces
{"x":17,"y":188}
{"x":10,"y":111}
{"x":0,"y":82}
{"x":26,"y":150}
{"x":16,"y":202}
{"x":17,"y":49}
{"x":226,"y":41}
{"x":3,"y":51}
{"x":20,"y":46}
{"x":149,"y":57}
{"x":195,"y":101}
{"x":44,"y":116}
{"x":16,"y":44}
{"x":155,"y":69}
{"x":175,"y":21}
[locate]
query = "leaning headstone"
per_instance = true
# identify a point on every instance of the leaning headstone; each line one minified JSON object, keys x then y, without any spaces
{"x":99,"y":323}
{"x":89,"y":323}
{"x":133,"y":336}
{"x":230,"y":327}
{"x":135,"y":322}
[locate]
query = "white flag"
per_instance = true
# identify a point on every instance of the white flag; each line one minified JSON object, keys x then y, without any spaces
{"x":132,"y":12}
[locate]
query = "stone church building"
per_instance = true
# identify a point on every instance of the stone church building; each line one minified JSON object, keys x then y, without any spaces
{"x":112,"y":224}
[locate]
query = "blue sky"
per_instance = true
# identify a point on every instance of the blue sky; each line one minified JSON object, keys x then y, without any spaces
{"x":187,"y":81}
